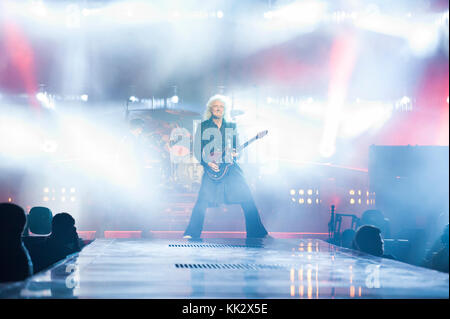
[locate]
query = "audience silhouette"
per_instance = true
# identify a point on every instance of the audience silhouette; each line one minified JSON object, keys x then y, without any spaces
{"x":39,"y":220}
{"x":368,"y":240}
{"x":62,"y":242}
{"x":15,"y":262}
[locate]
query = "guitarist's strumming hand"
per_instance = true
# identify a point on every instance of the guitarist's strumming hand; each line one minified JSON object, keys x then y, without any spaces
{"x":213,"y":166}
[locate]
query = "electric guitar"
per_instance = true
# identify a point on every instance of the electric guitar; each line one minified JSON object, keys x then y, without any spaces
{"x":224,"y":167}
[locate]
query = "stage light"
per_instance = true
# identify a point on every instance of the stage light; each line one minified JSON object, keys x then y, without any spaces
{"x":40,"y":96}
{"x":72,"y":199}
{"x":293,"y":199}
{"x":45,"y":199}
{"x":219,"y":14}
{"x":292,"y":192}
{"x":45,"y":100}
{"x":359,"y":200}
{"x":9,"y":199}
{"x":84,"y":97}
{"x":423,"y":39}
{"x":351,"y":192}
{"x":405,"y":100}
{"x":301,"y":201}
{"x":310,"y":191}
{"x":403,"y":104}
{"x":63,"y":199}
{"x":133,"y":99}
{"x":46,"y":190}
{"x":317,"y":201}
{"x":352,"y":201}
{"x":72,"y":190}
{"x":301,"y":192}
{"x":174,"y":99}
{"x":63,"y":190}
{"x":309,"y":201}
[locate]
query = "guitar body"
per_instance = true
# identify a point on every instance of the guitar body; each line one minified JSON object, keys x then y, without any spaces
{"x":224,"y":168}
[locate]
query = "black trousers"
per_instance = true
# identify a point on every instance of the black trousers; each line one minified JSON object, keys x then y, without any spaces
{"x":253,"y":224}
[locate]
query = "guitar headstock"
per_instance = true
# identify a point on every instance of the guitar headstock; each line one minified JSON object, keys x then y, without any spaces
{"x":262,"y":134}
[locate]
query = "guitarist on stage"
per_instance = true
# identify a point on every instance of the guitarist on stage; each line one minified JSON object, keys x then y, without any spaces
{"x":216,"y":135}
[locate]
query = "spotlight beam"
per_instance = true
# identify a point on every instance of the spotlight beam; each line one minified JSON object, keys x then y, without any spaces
{"x":342,"y":61}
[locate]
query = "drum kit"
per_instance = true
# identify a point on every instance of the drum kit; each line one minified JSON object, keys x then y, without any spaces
{"x":169,"y":139}
{"x":169,"y":142}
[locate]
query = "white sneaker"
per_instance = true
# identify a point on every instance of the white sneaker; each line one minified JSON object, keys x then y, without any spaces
{"x":187,"y":237}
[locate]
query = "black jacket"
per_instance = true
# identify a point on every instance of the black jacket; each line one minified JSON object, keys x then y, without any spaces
{"x":204,"y":140}
{"x":231,"y":189}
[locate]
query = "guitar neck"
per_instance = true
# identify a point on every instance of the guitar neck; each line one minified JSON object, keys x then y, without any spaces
{"x":240,"y":148}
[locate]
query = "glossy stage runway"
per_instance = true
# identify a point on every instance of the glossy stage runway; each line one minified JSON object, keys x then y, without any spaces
{"x":227,"y":268}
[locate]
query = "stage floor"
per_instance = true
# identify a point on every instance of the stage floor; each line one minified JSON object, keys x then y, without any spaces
{"x":227,"y":268}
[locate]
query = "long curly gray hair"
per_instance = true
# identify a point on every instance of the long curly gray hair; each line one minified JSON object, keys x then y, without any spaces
{"x":218,"y":97}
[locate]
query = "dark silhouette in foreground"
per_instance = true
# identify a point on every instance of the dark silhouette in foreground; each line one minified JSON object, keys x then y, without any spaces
{"x":368,"y":240}
{"x":63,"y":241}
{"x":15,"y":262}
{"x":39,"y":220}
